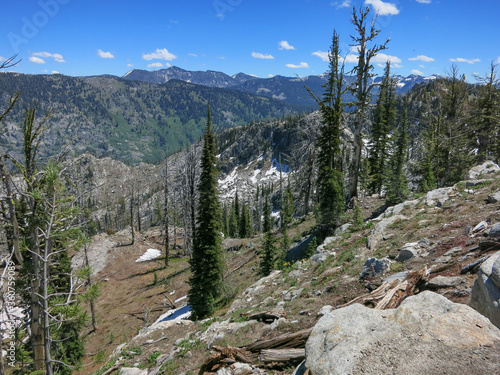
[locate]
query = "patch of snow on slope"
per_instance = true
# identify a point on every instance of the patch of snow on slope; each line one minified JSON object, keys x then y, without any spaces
{"x":150,"y":254}
{"x":254,"y":177}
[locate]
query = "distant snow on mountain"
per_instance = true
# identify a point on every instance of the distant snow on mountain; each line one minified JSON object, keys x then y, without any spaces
{"x":288,"y":89}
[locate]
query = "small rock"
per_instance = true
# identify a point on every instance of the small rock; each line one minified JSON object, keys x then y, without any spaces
{"x":444,"y":259}
{"x":325,"y":310}
{"x":132,"y":371}
{"x":409,"y":250}
{"x":440,"y":282}
{"x":374,"y":267}
{"x":454,"y":251}
{"x":342,"y":229}
{"x":397,"y":276}
{"x":494,"y":230}
{"x":494,"y":197}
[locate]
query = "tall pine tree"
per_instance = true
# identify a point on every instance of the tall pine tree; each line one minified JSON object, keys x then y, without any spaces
{"x":268,"y":253}
{"x":397,"y":183}
{"x":206,"y":261}
{"x":384,"y":123}
{"x":330,"y":178}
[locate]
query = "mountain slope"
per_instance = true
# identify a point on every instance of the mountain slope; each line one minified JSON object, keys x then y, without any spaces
{"x":128,"y":120}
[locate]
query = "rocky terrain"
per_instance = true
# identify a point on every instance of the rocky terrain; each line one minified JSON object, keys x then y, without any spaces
{"x":414,"y":291}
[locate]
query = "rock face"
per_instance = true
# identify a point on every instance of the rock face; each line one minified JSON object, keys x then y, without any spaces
{"x":487,"y":167}
{"x":426,"y":334}
{"x":485,"y":296}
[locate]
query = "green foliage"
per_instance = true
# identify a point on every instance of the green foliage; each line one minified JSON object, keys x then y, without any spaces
{"x":385,"y":118}
{"x":358,"y":222}
{"x":397,"y":183}
{"x":330,"y":178}
{"x":117,"y":114}
{"x":206,"y":261}
{"x":268,"y":253}
{"x":311,"y":248}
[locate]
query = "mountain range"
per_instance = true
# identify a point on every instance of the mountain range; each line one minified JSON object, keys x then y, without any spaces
{"x":288,"y":89}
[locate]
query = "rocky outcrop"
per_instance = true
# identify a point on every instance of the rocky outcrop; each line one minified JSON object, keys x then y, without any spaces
{"x":426,"y":334}
{"x":485,"y":296}
{"x":488,"y":167}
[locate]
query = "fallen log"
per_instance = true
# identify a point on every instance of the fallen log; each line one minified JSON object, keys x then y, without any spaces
{"x":288,"y":340}
{"x":282,"y":355}
{"x":224,"y":357}
{"x":390,"y":294}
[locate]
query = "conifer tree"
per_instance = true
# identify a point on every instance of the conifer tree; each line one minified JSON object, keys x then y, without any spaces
{"x":268,"y":250}
{"x":486,"y":117}
{"x":384,"y":122}
{"x":397,"y":183}
{"x":206,"y":262}
{"x":330,"y":178}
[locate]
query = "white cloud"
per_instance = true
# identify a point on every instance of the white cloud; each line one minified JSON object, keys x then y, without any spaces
{"x":2,"y":59}
{"x":55,"y":72}
{"x":498,"y":60}
{"x":322,"y":55}
{"x":37,"y":60}
{"x":382,"y":58}
{"x":301,"y":65}
{"x":105,"y":55}
{"x":417,"y":72}
{"x":155,"y":65}
{"x":159,"y":54}
{"x":284,"y":45}
{"x":56,"y":56}
{"x":383,"y":9}
{"x":342,"y":4}
{"x":421,"y":58}
{"x":130,"y":65}
{"x":424,"y":1}
{"x":192,"y":54}
{"x":259,"y":55}
{"x":269,"y":75}
{"x":468,"y":61}
{"x":351,"y":59}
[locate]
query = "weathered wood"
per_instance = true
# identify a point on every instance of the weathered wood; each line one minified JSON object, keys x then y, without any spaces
{"x":390,"y":294}
{"x":289,"y":340}
{"x":413,"y":282}
{"x":224,"y":357}
{"x":282,"y":355}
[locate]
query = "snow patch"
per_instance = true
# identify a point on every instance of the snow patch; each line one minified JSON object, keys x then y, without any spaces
{"x":150,"y":254}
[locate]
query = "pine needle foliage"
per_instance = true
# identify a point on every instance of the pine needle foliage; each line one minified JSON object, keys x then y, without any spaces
{"x":206,"y":262}
{"x":330,"y":178}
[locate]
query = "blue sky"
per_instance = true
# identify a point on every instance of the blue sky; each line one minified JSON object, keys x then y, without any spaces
{"x":262,"y":38}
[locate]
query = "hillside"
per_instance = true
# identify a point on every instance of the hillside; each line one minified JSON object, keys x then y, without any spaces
{"x":450,"y":226}
{"x":130,"y":121}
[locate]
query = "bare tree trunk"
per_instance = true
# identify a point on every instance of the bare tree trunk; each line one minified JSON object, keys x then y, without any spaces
{"x":12,"y":212}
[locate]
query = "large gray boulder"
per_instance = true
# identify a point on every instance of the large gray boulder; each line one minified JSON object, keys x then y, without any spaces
{"x":426,"y":334}
{"x":488,"y":167}
{"x":485,"y":296}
